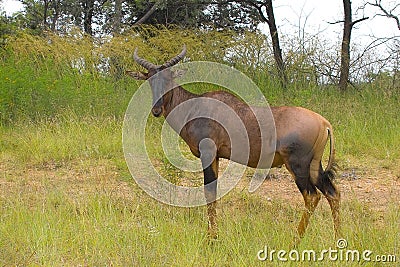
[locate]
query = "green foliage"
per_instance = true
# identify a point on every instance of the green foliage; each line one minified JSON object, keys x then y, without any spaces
{"x":61,"y":140}
{"x":42,"y":76}
{"x":48,"y":78}
{"x":113,"y":17}
{"x":62,"y":102}
{"x":6,"y":27}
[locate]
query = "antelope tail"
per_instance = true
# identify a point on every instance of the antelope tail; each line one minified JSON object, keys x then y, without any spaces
{"x":331,"y":167}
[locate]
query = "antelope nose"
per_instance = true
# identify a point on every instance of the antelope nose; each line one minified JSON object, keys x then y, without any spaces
{"x":156,"y":111}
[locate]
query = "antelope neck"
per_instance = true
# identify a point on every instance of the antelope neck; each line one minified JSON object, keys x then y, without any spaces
{"x":177,"y":96}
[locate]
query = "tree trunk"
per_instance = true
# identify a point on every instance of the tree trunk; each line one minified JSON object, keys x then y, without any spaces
{"x":148,"y":14}
{"x":76,"y":12}
{"x":45,"y":11}
{"x":345,"y":51}
{"x":55,"y":15}
{"x":117,"y":17}
{"x":275,"y":43}
{"x":270,"y":20}
{"x":88,"y":10}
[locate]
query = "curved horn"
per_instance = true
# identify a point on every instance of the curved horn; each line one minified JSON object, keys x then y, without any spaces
{"x":176,"y":59}
{"x":145,"y":64}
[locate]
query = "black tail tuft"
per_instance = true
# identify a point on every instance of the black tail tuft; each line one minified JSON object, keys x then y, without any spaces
{"x":331,"y":173}
{"x":326,"y":177}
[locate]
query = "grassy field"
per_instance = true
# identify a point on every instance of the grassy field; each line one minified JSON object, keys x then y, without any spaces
{"x":91,"y":213}
{"x":67,"y":198}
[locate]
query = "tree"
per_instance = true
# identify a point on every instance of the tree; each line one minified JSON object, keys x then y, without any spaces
{"x":88,"y":10}
{"x":232,"y":15}
{"x":270,"y":20}
{"x":148,"y":13}
{"x":183,"y":13}
{"x":8,"y":26}
{"x":345,"y":50}
{"x":117,"y":20}
{"x":266,"y":14}
{"x":114,"y":16}
{"x":386,"y":12}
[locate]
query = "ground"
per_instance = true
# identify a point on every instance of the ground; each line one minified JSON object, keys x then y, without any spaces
{"x":373,"y":185}
{"x":374,"y":188}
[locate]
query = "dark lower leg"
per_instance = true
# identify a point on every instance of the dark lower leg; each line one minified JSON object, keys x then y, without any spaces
{"x":210,"y":191}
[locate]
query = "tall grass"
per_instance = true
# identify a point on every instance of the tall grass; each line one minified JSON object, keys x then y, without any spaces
{"x":28,"y":96}
{"x":62,"y":139}
{"x":365,"y":124}
{"x":107,"y":229}
{"x":61,"y":113}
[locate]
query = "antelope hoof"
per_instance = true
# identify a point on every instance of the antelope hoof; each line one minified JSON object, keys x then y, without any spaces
{"x":296,"y":242}
{"x":212,"y":233}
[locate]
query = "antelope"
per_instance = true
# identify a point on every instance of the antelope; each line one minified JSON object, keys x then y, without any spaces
{"x":301,"y":137}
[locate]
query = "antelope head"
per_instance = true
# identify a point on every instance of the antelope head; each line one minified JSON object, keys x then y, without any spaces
{"x":160,"y":81}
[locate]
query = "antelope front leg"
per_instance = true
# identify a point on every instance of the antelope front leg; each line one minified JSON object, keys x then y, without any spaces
{"x":210,"y":192}
{"x":210,"y":169}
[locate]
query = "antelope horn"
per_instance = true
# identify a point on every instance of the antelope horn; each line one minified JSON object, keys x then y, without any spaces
{"x":176,"y":59}
{"x":145,"y":64}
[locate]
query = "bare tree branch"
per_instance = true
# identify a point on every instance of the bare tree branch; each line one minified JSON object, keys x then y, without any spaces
{"x":359,"y":20}
{"x":148,"y":14}
{"x":386,"y":13}
{"x":336,"y":22}
{"x":352,"y":23}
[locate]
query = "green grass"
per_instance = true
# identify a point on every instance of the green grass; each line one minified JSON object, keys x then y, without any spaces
{"x":67,"y":198}
{"x":365,"y":124}
{"x":52,"y":224}
{"x":62,"y":140}
{"x":105,"y":228}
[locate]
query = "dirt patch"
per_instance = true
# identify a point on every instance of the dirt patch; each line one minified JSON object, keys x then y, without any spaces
{"x":74,"y":181}
{"x":377,"y":187}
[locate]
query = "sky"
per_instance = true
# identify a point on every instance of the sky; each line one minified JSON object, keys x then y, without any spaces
{"x":316,"y":15}
{"x":11,"y":6}
{"x":313,"y":16}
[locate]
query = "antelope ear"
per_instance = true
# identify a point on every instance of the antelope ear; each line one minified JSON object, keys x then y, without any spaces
{"x":179,"y":73}
{"x":137,"y":75}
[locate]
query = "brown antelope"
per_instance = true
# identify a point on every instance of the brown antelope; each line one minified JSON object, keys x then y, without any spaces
{"x":301,"y":136}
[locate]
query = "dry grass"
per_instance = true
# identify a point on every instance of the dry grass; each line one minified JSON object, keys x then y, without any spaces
{"x":67,"y":199}
{"x":110,"y":221}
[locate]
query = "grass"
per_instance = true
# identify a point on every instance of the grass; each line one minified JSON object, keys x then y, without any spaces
{"x":62,"y":140}
{"x":56,"y":226}
{"x":58,"y":207}
{"x":67,"y":198}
